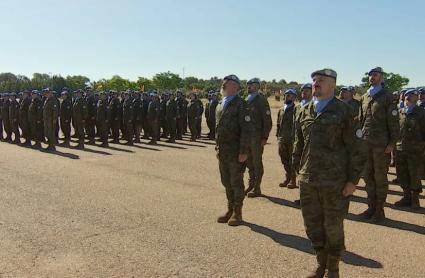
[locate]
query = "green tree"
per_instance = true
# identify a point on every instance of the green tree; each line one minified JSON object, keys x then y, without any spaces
{"x":167,"y":81}
{"x":76,"y":82}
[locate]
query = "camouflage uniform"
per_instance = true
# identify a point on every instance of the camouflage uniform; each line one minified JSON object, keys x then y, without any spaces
{"x":114,"y":118}
{"x":14,"y":119}
{"x":91,"y":118}
{"x":23,"y":119}
{"x":138,"y":118}
{"x":210,"y":116}
{"x":232,"y":139}
{"x":127,"y":120}
{"x":199,"y":119}
{"x":325,"y":161}
{"x":261,"y":125}
{"x":79,"y":116}
{"x":153,"y":119}
{"x":1,"y":117}
{"x":65,"y":114}
{"x":379,"y":128}
{"x":194,"y":112}
{"x":102,"y":121}
{"x":35,"y":118}
{"x":409,"y":155}
{"x":180,"y":117}
{"x":6,"y":120}
{"x":50,"y":117}
{"x":171,"y":116}
{"x":285,"y":133}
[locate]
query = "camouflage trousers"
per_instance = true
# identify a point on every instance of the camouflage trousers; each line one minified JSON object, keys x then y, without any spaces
{"x":193,"y":126}
{"x":376,"y":171}
{"x":409,"y":169}
{"x":49,"y":131}
{"x":255,"y":164}
{"x":285,"y":153}
{"x":231,"y":174}
{"x":172,"y":127}
{"x":7,"y":127}
{"x":66,"y":128}
{"x":324,"y":209}
{"x":90,"y":128}
{"x":24,"y":124}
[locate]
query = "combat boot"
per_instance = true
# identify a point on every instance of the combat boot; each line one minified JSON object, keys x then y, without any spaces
{"x":50,"y":148}
{"x":236,"y":218}
{"x":285,"y":182}
{"x":415,"y":200}
{"x":367,"y":214}
{"x":170,"y":141}
{"x":225,"y":217}
{"x":80,"y":145}
{"x":37,"y":145}
{"x":256,"y":193}
{"x":379,"y":213}
{"x":250,"y":187}
{"x":293,"y":183}
{"x":406,"y":200}
{"x":321,"y":258}
{"x":332,"y":265}
{"x":152,"y":142}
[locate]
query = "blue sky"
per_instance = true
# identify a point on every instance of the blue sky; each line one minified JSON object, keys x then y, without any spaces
{"x":266,"y":39}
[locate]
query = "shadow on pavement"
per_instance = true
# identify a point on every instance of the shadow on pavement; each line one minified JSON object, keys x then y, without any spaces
{"x":303,"y":245}
{"x":63,"y":154}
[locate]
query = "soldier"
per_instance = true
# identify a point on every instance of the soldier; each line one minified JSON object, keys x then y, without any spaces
{"x":6,"y":119}
{"x":50,"y":117}
{"x":102,"y":119}
{"x":65,"y":114}
{"x":153,"y":118}
{"x":285,"y":135}
{"x":114,"y":117}
{"x":127,"y":117}
{"x":379,"y":131}
{"x":347,"y":96}
{"x":199,"y":118}
{"x":194,"y":112}
{"x":212,"y":106}
{"x":14,"y":118}
{"x":162,"y":115}
{"x":261,"y":124}
{"x":328,"y":169}
{"x":207,"y":113}
{"x":23,"y":117}
{"x":56,"y":97}
{"x":91,"y":115}
{"x":180,"y":115}
{"x":145,"y":106}
{"x":138,"y":118}
{"x":35,"y":118}
{"x":410,"y":150}
{"x":232,"y":142}
{"x":79,"y":116}
{"x":421,"y":101}
{"x":171,"y":116}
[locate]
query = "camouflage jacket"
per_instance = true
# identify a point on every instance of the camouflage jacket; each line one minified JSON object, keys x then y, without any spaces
{"x":324,"y":152}
{"x":378,"y":118}
{"x":261,"y":119}
{"x":194,"y":110}
{"x":66,"y":110}
{"x":79,"y":110}
{"x":412,"y":130}
{"x":127,"y":111}
{"x":102,"y":111}
{"x":232,"y":128}
{"x":153,"y":110}
{"x":23,"y":110}
{"x":35,"y":111}
{"x":171,"y":110}
{"x":14,"y":111}
{"x":50,"y":111}
{"x":285,"y":131}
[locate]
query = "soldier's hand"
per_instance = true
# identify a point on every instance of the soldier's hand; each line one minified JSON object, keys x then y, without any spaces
{"x":348,"y":189}
{"x":389,"y":149}
{"x":242,"y":158}
{"x":263,"y":142}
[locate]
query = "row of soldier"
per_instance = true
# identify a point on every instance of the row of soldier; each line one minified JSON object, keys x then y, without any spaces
{"x":40,"y":115}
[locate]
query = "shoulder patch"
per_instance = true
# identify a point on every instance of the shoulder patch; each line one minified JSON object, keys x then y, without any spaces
{"x":359,"y":133}
{"x":268,"y":112}
{"x":394,"y":112}
{"x":247,"y":118}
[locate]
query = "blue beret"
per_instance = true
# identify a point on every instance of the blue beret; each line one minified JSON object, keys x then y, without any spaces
{"x":377,"y":69}
{"x":344,"y":88}
{"x":411,"y":91}
{"x":254,"y":80}
{"x":421,"y":90}
{"x":290,"y":92}
{"x":45,"y":90}
{"x":233,"y":78}
{"x":325,"y":72}
{"x":306,"y":86}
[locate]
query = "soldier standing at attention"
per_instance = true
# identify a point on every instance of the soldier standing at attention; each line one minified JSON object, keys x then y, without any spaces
{"x":14,"y":118}
{"x":199,"y":118}
{"x":285,"y":136}
{"x":65,"y":114}
{"x":23,"y":117}
{"x":1,"y":117}
{"x":421,"y":101}
{"x":211,"y":114}
{"x":114,"y":117}
{"x":137,"y":120}
{"x":410,"y":150}
{"x":379,"y":129}
{"x":180,"y":115}
{"x":162,"y":115}
{"x":171,"y":115}
{"x":232,"y":142}
{"x":328,"y":169}
{"x":145,"y":106}
{"x":193,"y":114}
{"x":35,"y":118}
{"x":127,"y":117}
{"x":347,"y":96}
{"x":207,"y":112}
{"x":153,"y":118}
{"x":102,"y":118}
{"x":6,"y":119}
{"x":261,"y":124}
{"x":79,"y":116}
{"x":91,"y":115}
{"x":50,"y":117}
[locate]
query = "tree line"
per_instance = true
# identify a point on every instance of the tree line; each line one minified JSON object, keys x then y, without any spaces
{"x":165,"y":81}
